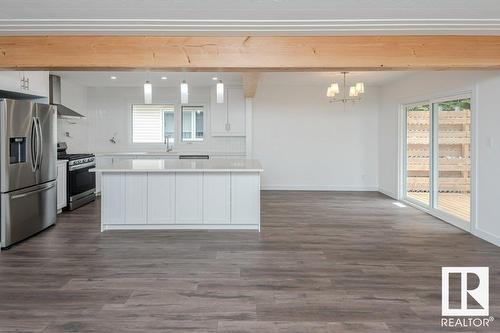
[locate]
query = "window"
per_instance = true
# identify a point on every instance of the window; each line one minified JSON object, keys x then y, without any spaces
{"x":151,"y":123}
{"x":192,"y":123}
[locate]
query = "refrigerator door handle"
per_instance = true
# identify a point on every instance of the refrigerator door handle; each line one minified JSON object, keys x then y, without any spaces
{"x":34,"y":144}
{"x":22,"y":195}
{"x":40,"y":143}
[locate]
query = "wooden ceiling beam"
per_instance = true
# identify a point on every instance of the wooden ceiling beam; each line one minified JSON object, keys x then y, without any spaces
{"x":256,"y":53}
{"x":250,"y":83}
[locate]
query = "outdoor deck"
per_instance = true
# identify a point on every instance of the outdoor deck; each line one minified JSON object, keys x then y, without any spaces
{"x":457,"y":204}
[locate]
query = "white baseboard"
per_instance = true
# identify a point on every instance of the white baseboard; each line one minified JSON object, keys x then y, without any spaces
{"x":388,"y":193}
{"x":489,"y":237}
{"x":105,"y":227}
{"x":317,"y":188}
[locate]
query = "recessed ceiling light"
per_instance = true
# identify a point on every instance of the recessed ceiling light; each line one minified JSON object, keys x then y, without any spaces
{"x":163,"y":77}
{"x":215,"y":78}
{"x":112,"y":77}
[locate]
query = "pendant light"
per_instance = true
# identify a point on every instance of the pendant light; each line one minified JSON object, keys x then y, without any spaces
{"x":148,"y":93}
{"x":220,"y":92}
{"x":346,"y":93}
{"x":332,"y":90}
{"x":353,"y":92}
{"x":184,"y":92}
{"x":360,"y":87}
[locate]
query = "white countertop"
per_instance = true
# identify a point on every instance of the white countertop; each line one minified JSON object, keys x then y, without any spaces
{"x":160,"y":165}
{"x":164,"y":153}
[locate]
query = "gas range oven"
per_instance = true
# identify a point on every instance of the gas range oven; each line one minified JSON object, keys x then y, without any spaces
{"x":80,"y":182}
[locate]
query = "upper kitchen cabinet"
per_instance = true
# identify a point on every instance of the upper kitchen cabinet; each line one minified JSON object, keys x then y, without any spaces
{"x":10,"y":81}
{"x":228,"y":118}
{"x":31,"y":83}
{"x":38,"y":83}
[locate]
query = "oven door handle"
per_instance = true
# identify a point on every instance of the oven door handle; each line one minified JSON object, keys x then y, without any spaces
{"x":81,"y":166}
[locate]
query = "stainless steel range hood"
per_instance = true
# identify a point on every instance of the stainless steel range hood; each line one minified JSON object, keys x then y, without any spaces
{"x":55,"y":99}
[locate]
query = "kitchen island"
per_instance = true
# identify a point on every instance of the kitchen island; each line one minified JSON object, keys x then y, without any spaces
{"x":141,"y":194}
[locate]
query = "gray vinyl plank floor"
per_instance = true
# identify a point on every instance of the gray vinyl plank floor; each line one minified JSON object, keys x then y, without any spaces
{"x":323,"y":262}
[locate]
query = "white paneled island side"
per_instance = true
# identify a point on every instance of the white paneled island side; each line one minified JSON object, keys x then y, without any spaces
{"x":141,"y":194}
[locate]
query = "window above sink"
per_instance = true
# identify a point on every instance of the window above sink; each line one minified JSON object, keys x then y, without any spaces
{"x":152,"y":123}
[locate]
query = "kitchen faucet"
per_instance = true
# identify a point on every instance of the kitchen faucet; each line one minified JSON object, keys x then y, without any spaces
{"x":167,"y":143}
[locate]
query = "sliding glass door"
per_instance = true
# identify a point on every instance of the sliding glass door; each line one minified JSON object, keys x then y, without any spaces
{"x":453,"y":157}
{"x":418,"y":153}
{"x":437,"y":163}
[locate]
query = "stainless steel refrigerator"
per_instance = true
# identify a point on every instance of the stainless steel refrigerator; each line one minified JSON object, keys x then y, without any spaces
{"x":28,"y":157}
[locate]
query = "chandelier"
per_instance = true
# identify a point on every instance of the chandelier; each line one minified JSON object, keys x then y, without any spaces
{"x":346,"y":94}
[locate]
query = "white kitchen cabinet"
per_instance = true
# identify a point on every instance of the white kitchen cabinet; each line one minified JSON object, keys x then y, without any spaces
{"x":180,"y":198}
{"x":161,"y":197}
{"x":228,"y":118}
{"x":25,"y":82}
{"x":113,"y":199}
{"x":218,"y":114}
{"x":216,"y":198}
{"x":236,"y":111}
{"x":10,"y":81}
{"x":245,"y":198}
{"x":188,"y":198}
{"x":38,"y":82}
{"x":136,"y":197}
{"x":62,"y":166}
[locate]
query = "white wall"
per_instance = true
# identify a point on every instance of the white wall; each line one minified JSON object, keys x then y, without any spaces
{"x":485,"y":87}
{"x":108,"y":111}
{"x":488,"y":157}
{"x":304,"y":142}
{"x":74,"y":96}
